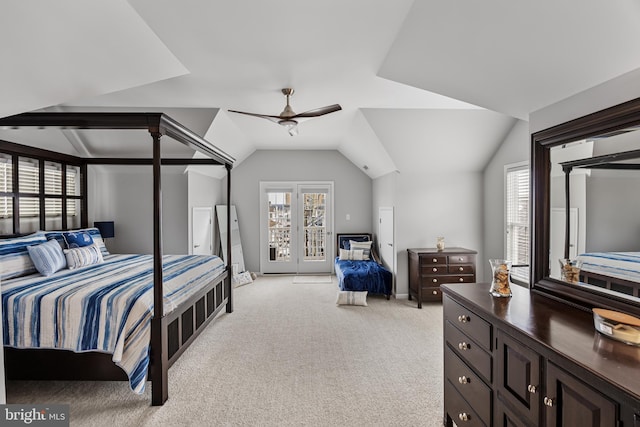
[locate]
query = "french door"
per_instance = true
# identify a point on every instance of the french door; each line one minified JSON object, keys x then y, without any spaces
{"x":296,"y":234}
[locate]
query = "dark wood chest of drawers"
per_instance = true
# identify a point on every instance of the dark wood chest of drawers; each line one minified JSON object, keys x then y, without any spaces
{"x":530,"y":361}
{"x":429,"y":268}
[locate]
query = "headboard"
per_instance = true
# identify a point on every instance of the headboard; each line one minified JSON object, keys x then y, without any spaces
{"x":345,"y":237}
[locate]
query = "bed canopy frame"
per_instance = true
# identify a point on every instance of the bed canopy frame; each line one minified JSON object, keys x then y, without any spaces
{"x":158,"y":125}
{"x":611,"y":162}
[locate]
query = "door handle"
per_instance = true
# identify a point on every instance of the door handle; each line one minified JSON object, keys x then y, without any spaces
{"x":390,"y":244}
{"x":196,"y":246}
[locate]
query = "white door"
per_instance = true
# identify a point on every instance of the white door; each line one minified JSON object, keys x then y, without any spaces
{"x":202,"y":231}
{"x":386,"y":239}
{"x":296,"y":227}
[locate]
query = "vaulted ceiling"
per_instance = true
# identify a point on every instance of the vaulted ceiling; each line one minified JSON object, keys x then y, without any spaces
{"x":416,"y":79}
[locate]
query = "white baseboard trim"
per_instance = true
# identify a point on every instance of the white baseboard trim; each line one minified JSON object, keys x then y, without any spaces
{"x":402,"y":296}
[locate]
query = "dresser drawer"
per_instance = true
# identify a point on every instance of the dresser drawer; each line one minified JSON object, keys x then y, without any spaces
{"x":468,"y":350}
{"x":432,"y":294}
{"x":461,"y":259}
{"x":468,"y":384}
{"x":458,"y":409}
{"x":461,"y":269}
{"x":433,"y":260}
{"x":430,"y":270}
{"x":469,"y":322}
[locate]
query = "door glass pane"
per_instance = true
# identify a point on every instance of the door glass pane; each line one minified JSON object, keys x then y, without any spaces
{"x":315,"y":226}
{"x":279,"y":226}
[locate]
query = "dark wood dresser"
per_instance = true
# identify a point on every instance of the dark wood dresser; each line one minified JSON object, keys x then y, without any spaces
{"x":429,"y":268}
{"x":531,"y":361}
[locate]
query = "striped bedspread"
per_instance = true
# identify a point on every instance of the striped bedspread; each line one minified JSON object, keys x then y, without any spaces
{"x":105,"y":307}
{"x":622,"y":265}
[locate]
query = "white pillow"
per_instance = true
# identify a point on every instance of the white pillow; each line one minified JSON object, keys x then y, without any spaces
{"x":81,"y":257}
{"x":351,"y":255}
{"x":364,"y":246}
{"x":352,"y":298}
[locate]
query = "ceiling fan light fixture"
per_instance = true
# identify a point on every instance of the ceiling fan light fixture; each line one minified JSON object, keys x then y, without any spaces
{"x":291,"y":125}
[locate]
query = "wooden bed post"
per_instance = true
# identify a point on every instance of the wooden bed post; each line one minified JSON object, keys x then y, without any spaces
{"x":229,"y":279}
{"x":159,"y":357}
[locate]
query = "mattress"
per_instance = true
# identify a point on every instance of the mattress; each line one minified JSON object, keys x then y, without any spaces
{"x":105,"y":307}
{"x":621,"y":265}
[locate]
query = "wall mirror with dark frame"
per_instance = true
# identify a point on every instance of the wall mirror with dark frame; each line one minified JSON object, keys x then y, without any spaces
{"x":586,"y":210}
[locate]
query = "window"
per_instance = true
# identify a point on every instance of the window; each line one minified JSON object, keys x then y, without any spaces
{"x":517,"y":219}
{"x":43,"y":188}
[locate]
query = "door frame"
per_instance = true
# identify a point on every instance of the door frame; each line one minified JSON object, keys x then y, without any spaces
{"x":295,"y":187}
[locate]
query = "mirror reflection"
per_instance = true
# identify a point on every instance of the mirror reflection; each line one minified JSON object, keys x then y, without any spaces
{"x":594,"y":194}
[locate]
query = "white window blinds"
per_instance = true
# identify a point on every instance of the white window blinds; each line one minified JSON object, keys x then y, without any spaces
{"x":29,"y":187}
{"x":517,"y":219}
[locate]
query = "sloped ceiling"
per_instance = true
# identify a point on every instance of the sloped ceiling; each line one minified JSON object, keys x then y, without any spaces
{"x":415,"y":79}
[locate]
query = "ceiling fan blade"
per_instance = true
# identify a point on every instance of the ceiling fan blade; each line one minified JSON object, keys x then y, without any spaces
{"x":319,"y":111}
{"x":274,"y":119}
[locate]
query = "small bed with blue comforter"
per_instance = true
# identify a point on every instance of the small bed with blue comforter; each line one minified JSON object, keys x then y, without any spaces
{"x":357,"y":267}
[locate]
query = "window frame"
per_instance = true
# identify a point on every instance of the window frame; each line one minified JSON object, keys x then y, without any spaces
{"x":43,"y":157}
{"x":509,"y":168}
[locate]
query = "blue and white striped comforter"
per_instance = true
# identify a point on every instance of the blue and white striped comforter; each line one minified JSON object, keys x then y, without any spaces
{"x":105,"y":307}
{"x":622,"y":265}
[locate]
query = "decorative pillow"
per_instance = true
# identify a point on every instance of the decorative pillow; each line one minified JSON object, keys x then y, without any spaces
{"x":355,"y":255}
{"x":93,"y":232}
{"x":14,"y":256}
{"x":77,"y":239}
{"x":364,"y":246}
{"x":47,"y":257}
{"x":81,"y":257}
{"x":346,"y":240}
{"x":352,"y":298}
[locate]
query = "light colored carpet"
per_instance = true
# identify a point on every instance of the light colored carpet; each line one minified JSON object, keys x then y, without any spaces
{"x":312,"y":279}
{"x":286,"y":356}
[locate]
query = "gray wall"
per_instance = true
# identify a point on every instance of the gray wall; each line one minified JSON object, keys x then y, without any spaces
{"x":204,"y":191}
{"x":125,"y":196}
{"x":617,"y":228}
{"x":515,"y":149}
{"x":429,"y":205}
{"x":352,"y":191}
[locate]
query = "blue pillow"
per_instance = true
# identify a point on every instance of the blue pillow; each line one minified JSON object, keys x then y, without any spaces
{"x":77,"y":239}
{"x":47,"y":257}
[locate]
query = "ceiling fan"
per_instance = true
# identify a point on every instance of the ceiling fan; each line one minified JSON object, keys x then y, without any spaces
{"x":288,"y":118}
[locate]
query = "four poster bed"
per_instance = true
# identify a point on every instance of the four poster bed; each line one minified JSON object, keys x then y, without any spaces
{"x":119,"y":317}
{"x":617,"y":271}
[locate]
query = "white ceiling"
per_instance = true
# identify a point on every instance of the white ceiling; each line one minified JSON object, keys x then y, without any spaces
{"x":420,"y":79}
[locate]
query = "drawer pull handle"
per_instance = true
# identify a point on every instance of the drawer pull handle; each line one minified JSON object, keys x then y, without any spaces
{"x":435,"y":269}
{"x":461,"y":268}
{"x":532,"y":389}
{"x":435,"y":260}
{"x":463,"y":416}
{"x":435,"y":292}
{"x":460,"y":259}
{"x":463,"y":346}
{"x":434,"y":280}
{"x":548,"y":401}
{"x":461,"y":279}
{"x":463,"y":380}
{"x":463,"y":319}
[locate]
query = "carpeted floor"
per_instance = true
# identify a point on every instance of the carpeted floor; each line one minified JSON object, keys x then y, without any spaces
{"x":286,"y":356}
